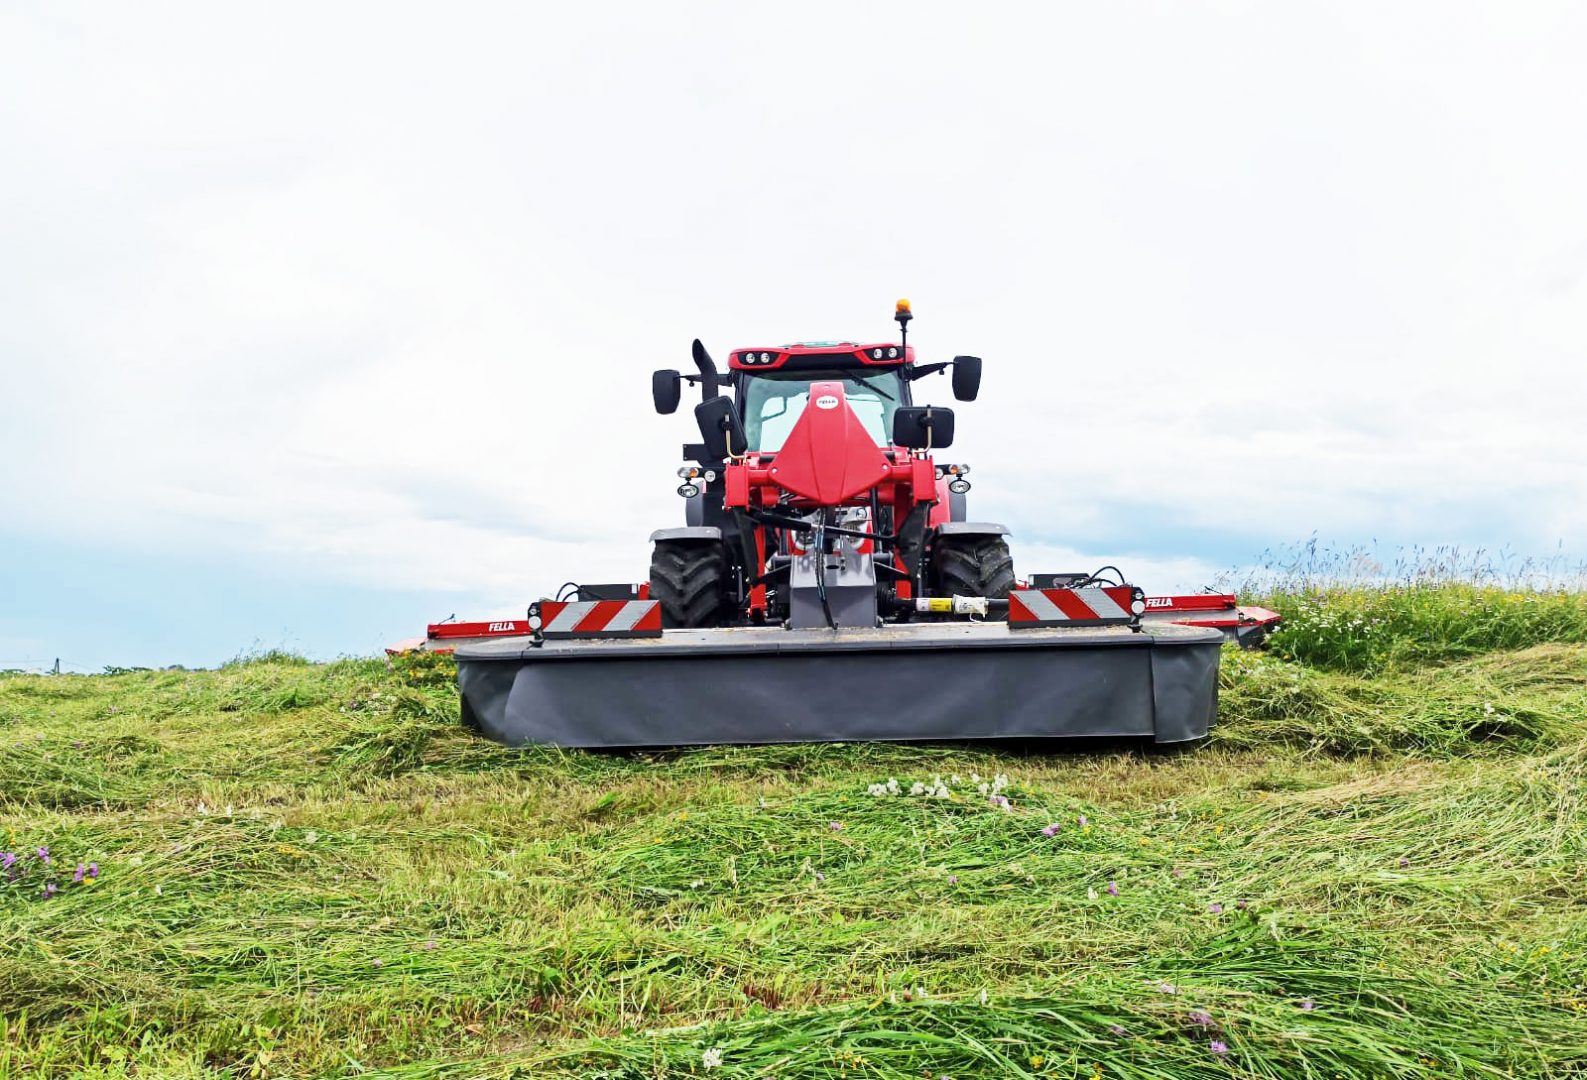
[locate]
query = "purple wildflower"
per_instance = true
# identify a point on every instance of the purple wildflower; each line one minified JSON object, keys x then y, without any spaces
{"x":1117,"y":1030}
{"x":820,"y":876}
{"x":93,"y":869}
{"x":378,"y":962}
{"x":998,"y":801}
{"x":1218,"y":1047}
{"x":1113,"y":888}
{"x":1215,"y":909}
{"x":6,"y":859}
{"x":77,"y":744}
{"x":44,"y":855}
{"x":1307,"y":1004}
{"x":953,"y":879}
{"x":1051,"y":830}
{"x":1083,"y":822}
{"x":114,"y":709}
{"x":1241,"y":904}
{"x":428,"y":945}
{"x":1176,"y":872}
{"x":1404,"y":863}
{"x":81,"y":870}
{"x":48,"y":890}
{"x":1201,"y":1018}
{"x":1168,"y":988}
{"x":835,"y":826}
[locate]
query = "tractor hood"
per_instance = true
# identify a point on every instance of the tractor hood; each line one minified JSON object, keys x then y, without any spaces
{"x":828,"y":457}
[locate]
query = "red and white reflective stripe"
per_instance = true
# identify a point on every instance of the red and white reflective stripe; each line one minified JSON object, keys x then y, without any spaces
{"x":1107,"y":605}
{"x":600,"y":618}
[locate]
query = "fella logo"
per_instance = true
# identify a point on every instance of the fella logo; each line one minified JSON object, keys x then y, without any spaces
{"x":502,"y":627}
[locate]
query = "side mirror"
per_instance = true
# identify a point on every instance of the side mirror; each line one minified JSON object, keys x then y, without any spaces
{"x":923,"y":427}
{"x":966,"y":377}
{"x":666,"y":390}
{"x":720,"y":428}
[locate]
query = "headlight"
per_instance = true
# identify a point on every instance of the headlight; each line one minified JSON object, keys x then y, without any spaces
{"x":688,"y":491}
{"x":958,"y":485}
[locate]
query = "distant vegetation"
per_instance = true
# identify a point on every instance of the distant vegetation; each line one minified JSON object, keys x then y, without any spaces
{"x":1374,"y":869}
{"x":1349,"y":610}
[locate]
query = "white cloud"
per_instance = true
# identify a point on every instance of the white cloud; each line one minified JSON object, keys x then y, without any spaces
{"x":379,"y":292}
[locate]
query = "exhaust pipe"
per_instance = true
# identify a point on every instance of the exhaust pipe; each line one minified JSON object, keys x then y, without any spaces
{"x":709,"y":379}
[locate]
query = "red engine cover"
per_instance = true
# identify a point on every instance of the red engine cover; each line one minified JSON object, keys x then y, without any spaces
{"x":828,"y":457}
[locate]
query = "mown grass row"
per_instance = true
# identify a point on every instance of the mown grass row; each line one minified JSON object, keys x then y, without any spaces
{"x":313,"y":870}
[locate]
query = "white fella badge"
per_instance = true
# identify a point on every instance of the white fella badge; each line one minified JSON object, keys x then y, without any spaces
{"x":827,"y":401}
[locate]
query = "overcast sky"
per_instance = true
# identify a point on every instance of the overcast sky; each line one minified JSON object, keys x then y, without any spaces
{"x":322,"y":321}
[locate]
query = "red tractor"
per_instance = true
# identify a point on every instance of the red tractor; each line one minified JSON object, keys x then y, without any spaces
{"x":825,"y":553}
{"x":813,"y":499}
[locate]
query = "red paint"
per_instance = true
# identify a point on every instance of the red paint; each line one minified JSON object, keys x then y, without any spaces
{"x":1198,"y":602}
{"x":842,"y":353}
{"x":828,"y":457}
{"x":499,"y":628}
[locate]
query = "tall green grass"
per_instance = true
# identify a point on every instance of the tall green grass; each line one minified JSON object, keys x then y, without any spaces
{"x":1355,"y":610}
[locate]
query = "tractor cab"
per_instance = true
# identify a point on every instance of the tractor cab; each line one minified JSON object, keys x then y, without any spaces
{"x":771,"y":399}
{"x":771,"y":389}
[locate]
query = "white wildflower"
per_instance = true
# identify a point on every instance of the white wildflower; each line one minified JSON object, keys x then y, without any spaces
{"x":712,"y":1058}
{"x":917,"y":788}
{"x":920,"y":992}
{"x":1091,"y":894}
{"x":202,"y":809}
{"x":892,"y":786}
{"x":983,"y":996}
{"x":877,"y":790}
{"x":696,"y":883}
{"x":955,"y":779}
{"x":310,"y":837}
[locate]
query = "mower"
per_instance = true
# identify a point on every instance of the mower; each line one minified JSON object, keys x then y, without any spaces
{"x":829,"y":584}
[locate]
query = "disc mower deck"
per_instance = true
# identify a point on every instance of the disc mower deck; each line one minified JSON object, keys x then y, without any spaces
{"x":947,"y":680}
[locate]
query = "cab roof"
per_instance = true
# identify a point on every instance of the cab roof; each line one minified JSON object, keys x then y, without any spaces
{"x":822,"y":353}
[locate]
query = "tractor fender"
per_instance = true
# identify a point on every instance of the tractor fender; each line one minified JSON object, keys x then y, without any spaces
{"x":687,"y":532}
{"x":971,"y":528}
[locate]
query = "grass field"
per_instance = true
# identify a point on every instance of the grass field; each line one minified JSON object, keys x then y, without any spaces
{"x":1376,"y":868}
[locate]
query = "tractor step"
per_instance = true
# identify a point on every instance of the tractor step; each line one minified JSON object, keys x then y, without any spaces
{"x":902,"y":682}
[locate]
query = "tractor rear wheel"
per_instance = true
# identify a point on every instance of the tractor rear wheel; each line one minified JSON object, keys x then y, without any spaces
{"x":972,"y":566}
{"x":689,"y":577}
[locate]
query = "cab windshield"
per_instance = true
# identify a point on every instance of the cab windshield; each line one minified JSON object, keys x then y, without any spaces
{"x":773,"y":403}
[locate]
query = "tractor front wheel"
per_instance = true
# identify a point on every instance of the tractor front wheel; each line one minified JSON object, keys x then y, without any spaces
{"x":689,"y":577}
{"x":972,"y":566}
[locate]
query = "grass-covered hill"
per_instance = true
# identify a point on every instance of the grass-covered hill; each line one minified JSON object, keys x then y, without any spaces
{"x":1377,"y":867}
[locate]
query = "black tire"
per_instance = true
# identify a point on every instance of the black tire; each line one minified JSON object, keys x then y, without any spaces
{"x":972,"y":566}
{"x":689,"y":577}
